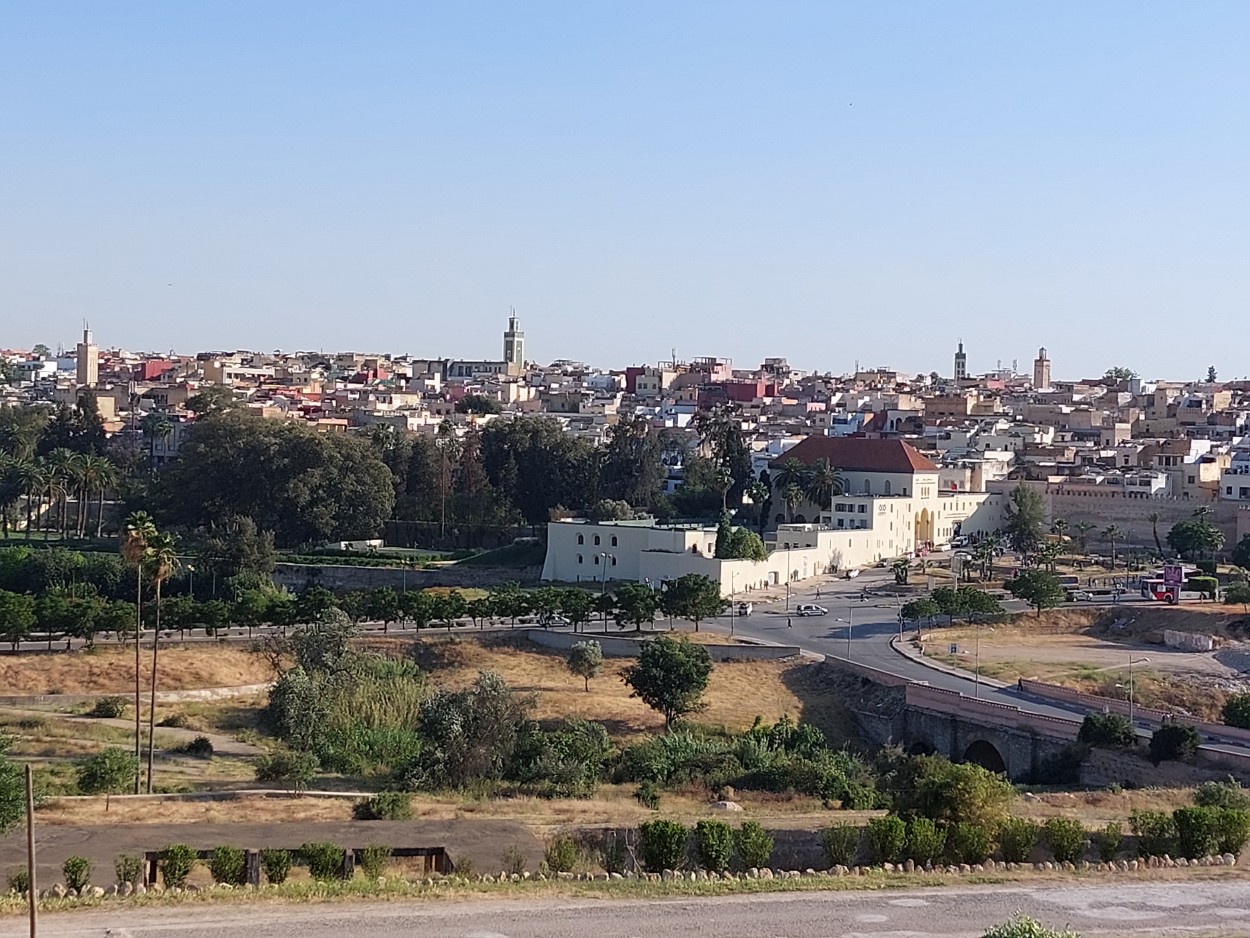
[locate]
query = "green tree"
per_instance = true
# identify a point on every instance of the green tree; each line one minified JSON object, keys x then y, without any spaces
{"x":1238,"y":593}
{"x":636,"y":604}
{"x":693,"y":596}
{"x":1106,"y":729}
{"x":12,"y":789}
{"x":1118,"y":374}
{"x":1026,"y":519}
{"x":950,"y":792}
{"x":577,"y":605}
{"x":17,"y":616}
{"x":162,"y":562}
{"x":918,"y":609}
{"x":1240,"y":555}
{"x":1236,"y":711}
{"x":478,"y":404}
{"x":670,"y":676}
{"x":212,"y":400}
{"x":1113,"y":534}
{"x":1194,"y":538}
{"x":108,"y":772}
{"x":585,"y":659}
{"x":1174,"y":742}
{"x":824,"y":482}
{"x":293,"y":770}
{"x":1083,"y":530}
{"x":1038,"y":588}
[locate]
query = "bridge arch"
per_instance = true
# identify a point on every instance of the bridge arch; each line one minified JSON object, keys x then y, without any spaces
{"x":985,"y":754}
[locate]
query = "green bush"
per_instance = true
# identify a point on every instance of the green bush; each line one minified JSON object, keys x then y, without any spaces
{"x":373,"y":860}
{"x":1207,"y":585}
{"x":663,"y":844}
{"x":108,"y":708}
{"x":925,"y":841}
{"x":1021,"y":926}
{"x":1232,"y":829}
{"x":514,"y":860}
{"x":1108,"y":841}
{"x":1106,"y":729}
{"x":1017,"y":836}
{"x":714,"y":843}
{"x":561,"y":854}
{"x":1236,"y":711}
{"x":1195,"y":830}
{"x":1155,"y":832}
{"x":294,"y":770}
{"x":77,"y":872}
{"x":276,"y":863}
{"x":887,"y":839}
{"x":325,"y":861}
{"x":1226,"y":794}
{"x":754,"y":845}
{"x":19,"y":879}
{"x":228,"y":865}
{"x":175,"y":863}
{"x":968,"y":842}
{"x":1066,"y":839}
{"x":648,"y":795}
{"x":1174,"y":742}
{"x":384,"y":806}
{"x":128,"y":868}
{"x":841,"y":843}
{"x":200,"y":747}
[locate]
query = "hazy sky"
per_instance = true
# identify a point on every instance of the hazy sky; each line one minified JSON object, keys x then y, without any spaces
{"x":825,"y":181}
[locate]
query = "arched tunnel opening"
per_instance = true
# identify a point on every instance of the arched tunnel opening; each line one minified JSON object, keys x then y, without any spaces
{"x":986,"y":755}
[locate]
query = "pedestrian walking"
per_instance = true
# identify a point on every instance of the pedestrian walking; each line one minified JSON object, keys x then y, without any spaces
{"x":789,"y":622}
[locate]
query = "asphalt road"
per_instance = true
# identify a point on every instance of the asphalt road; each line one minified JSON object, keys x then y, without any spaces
{"x":1147,"y":909}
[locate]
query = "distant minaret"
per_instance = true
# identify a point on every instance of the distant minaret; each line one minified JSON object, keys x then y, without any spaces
{"x":1041,"y":371}
{"x":961,"y":363}
{"x":88,"y":360}
{"x":514,"y":346}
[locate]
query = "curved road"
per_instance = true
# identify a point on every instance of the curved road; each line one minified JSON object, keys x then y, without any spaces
{"x":1111,"y":909}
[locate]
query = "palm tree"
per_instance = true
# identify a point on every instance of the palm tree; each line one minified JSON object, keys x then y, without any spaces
{"x":1111,"y":534}
{"x":30,"y":478}
{"x":155,"y":426}
{"x":1202,"y":511}
{"x":793,"y":497}
{"x":759,"y":493}
{"x":60,"y":481}
{"x":161,"y":561}
{"x":792,"y":472}
{"x":1083,"y":530}
{"x":1059,"y":526}
{"x":1154,"y":519}
{"x":138,"y":533}
{"x":823,"y":483}
{"x":724,"y":482}
{"x":106,"y":476}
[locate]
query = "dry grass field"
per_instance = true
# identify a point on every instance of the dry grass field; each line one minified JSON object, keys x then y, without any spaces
{"x":110,"y":670}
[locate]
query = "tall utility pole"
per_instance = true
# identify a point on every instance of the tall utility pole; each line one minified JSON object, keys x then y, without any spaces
{"x":32,"y":894}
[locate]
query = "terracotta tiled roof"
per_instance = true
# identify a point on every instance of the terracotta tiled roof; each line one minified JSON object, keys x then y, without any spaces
{"x":857,"y":454}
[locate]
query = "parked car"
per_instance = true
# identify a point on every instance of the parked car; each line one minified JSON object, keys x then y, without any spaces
{"x":811,"y":609}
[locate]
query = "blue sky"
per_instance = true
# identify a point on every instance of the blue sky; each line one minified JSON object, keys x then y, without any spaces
{"x":830,"y":182}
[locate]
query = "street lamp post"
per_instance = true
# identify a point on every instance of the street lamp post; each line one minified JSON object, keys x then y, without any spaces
{"x":732,"y":605}
{"x":787,"y":576}
{"x":1132,"y":661}
{"x":603,"y":586}
{"x":850,"y":625}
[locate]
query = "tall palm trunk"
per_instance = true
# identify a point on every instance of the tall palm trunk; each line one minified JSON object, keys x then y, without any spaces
{"x":156,"y":640}
{"x":29,"y":499}
{"x":138,"y":666}
{"x":99,"y":516}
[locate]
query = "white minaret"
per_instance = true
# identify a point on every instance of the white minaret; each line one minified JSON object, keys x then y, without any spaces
{"x":88,"y":360}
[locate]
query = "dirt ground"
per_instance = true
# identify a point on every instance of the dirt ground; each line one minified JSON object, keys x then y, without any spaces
{"x":109,"y":670}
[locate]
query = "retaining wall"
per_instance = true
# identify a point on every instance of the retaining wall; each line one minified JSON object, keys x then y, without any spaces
{"x":345,"y":577}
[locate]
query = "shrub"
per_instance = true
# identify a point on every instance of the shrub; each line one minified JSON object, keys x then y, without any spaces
{"x":841,"y":843}
{"x":1066,"y":839}
{"x":887,"y":839}
{"x":228,"y":865}
{"x":1236,"y":711}
{"x":175,"y":863}
{"x":1226,"y":794}
{"x":1017,"y":836}
{"x":967,"y":842}
{"x":200,"y":747}
{"x":1021,"y":926}
{"x":1232,"y":829}
{"x":325,"y":861}
{"x":1207,"y":585}
{"x":925,"y":841}
{"x":951,"y":792}
{"x":754,"y":845}
{"x":128,"y":868}
{"x":1106,"y":729}
{"x":663,"y":844}
{"x":384,"y":806}
{"x":286,"y":767}
{"x":464,"y":867}
{"x":1108,"y":841}
{"x":1155,"y":831}
{"x":373,"y":860}
{"x":19,"y":879}
{"x":177,"y":721}
{"x":77,"y":872}
{"x":276,"y":863}
{"x":514,"y":860}
{"x":1195,"y":830}
{"x":714,"y":841}
{"x":614,"y":853}
{"x":648,"y":795}
{"x":560,"y":855}
{"x":1174,"y":742}
{"x":108,"y":708}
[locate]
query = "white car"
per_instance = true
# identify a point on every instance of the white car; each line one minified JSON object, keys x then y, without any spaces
{"x":1080,"y":596}
{"x":811,"y":609}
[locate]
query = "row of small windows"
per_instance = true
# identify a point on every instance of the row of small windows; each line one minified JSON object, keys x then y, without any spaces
{"x":581,"y":539}
{"x":613,"y":559}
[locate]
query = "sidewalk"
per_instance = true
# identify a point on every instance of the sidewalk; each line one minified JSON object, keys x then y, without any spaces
{"x":905,"y":649}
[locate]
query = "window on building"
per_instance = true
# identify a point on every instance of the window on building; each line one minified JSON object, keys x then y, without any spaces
{"x":596,"y":540}
{"x":596,"y":560}
{"x":614,"y":561}
{"x":1191,"y":480}
{"x":613,"y":540}
{"x":863,"y":509}
{"x":579,"y":558}
{"x":581,"y":538}
{"x":887,"y":486}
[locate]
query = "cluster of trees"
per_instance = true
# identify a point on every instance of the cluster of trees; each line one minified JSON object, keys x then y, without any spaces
{"x":954,"y":602}
{"x":820,"y":483}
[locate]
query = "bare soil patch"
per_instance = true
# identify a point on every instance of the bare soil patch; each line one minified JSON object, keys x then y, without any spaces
{"x":110,"y":670}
